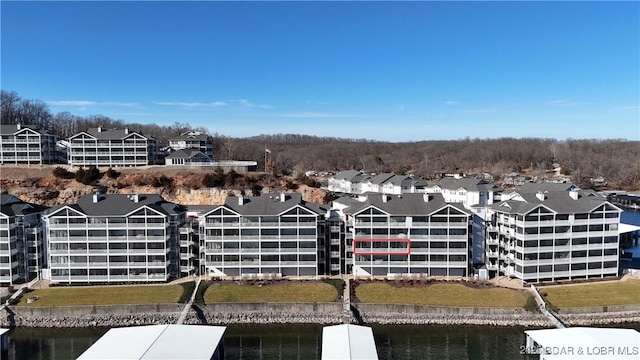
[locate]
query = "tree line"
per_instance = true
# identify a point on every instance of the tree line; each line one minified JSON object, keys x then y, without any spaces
{"x":617,"y":160}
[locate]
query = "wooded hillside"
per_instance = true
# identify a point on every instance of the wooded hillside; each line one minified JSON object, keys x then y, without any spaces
{"x":617,"y":160}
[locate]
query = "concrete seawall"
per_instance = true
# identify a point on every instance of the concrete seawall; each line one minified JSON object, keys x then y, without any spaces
{"x":444,"y":315}
{"x":289,"y":313}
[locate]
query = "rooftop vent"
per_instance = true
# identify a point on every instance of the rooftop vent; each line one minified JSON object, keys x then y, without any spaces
{"x":541,"y":196}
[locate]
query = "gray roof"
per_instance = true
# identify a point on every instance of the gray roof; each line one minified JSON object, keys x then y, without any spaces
{"x":186,"y":154}
{"x":535,"y":187}
{"x":271,"y":204}
{"x":111,"y":134}
{"x":405,"y":204}
{"x":401,"y":180}
{"x":558,"y":201}
{"x":121,"y":205}
{"x":190,"y":135}
{"x":348,"y":175}
{"x":12,"y":129}
{"x":11,"y":206}
{"x":381,"y":178}
{"x":469,"y":184}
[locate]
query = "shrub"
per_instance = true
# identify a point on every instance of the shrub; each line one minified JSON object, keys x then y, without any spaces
{"x":231,"y":177}
{"x":161,"y":181}
{"x":87,"y":176}
{"x":216,"y":179}
{"x":112,"y":174}
{"x":62,"y":173}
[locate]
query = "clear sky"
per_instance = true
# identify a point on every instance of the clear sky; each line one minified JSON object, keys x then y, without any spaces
{"x":386,"y":71}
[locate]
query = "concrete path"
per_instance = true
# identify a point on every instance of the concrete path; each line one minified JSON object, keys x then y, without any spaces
{"x":542,"y":305}
{"x":189,"y":304}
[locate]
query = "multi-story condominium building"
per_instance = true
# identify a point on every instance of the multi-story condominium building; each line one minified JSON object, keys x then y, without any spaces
{"x":114,"y":239}
{"x":268,"y":235}
{"x":21,"y":240}
{"x":23,"y":144}
{"x":472,"y":193}
{"x":347,"y":182}
{"x":539,"y":235}
{"x":356,"y":182}
{"x":100,"y":147}
{"x":407,"y":234}
{"x":193,"y":140}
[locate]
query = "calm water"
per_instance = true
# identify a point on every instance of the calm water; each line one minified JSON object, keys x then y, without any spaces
{"x":632,"y":217}
{"x":305,"y":341}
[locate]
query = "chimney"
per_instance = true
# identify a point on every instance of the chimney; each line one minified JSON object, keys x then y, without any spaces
{"x":283,"y":197}
{"x":240,"y":200}
{"x":540,"y":195}
{"x":384,"y":198}
{"x":575,"y":195}
{"x":135,"y":198}
{"x":96,"y":198}
{"x":18,"y":126}
{"x":425,"y":197}
{"x":99,"y":128}
{"x":126,"y":130}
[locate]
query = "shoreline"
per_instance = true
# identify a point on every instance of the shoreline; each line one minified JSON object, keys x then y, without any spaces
{"x":301,"y":313}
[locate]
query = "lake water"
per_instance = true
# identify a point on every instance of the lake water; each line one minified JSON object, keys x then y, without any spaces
{"x":632,"y":217}
{"x":302,"y":342}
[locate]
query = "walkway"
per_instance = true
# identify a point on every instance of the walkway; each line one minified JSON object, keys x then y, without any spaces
{"x":542,"y":305}
{"x":189,"y":304}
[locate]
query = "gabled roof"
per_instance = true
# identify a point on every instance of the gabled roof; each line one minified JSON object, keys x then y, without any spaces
{"x":13,"y":206}
{"x":112,"y":134}
{"x":271,"y":204}
{"x":156,"y":342}
{"x":188,"y":135}
{"x":120,"y":205}
{"x":348,"y":175}
{"x":556,"y":201}
{"x":405,"y":204}
{"x":469,"y":184}
{"x":348,"y":342}
{"x":186,"y":154}
{"x":381,"y":178}
{"x":401,"y":180}
{"x":533,"y":188}
{"x":13,"y":129}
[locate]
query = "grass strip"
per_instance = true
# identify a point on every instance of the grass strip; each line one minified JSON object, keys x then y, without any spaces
{"x":440,"y":295}
{"x":277,"y":292}
{"x":104,"y":295}
{"x":595,"y":294}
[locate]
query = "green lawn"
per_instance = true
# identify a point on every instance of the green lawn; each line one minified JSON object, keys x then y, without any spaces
{"x":278,"y":292}
{"x":105,"y":295}
{"x":440,"y":295}
{"x":595,"y":294}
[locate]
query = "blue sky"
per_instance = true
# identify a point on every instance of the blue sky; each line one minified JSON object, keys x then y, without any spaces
{"x":386,"y":71}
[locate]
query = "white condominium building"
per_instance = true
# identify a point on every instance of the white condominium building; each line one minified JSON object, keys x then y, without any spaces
{"x":100,"y":147}
{"x":268,"y":235}
{"x":22,"y":246}
{"x":23,"y":144}
{"x":472,"y":193}
{"x":393,"y":235}
{"x":539,"y":235}
{"x":193,"y":140}
{"x":114,"y":239}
